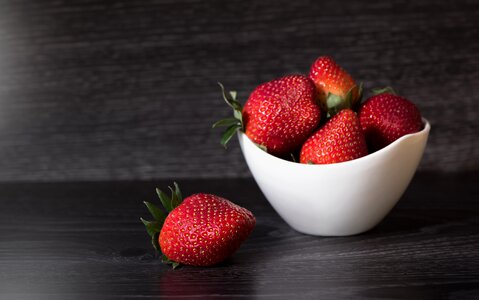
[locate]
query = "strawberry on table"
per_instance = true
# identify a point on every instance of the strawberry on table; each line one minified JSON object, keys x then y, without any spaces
{"x":340,"y":139}
{"x":201,"y":230}
{"x":336,"y":88}
{"x":386,"y":117}
{"x":278,"y":116}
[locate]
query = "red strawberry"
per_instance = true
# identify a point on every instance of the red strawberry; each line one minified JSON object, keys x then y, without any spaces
{"x":203,"y":230}
{"x":340,"y":139}
{"x":336,"y":88}
{"x":279,"y":115}
{"x":386,"y":117}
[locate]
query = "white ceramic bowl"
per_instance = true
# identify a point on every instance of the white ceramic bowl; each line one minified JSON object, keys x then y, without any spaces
{"x":337,"y":199}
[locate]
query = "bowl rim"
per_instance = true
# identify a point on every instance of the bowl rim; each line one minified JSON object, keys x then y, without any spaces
{"x":424,"y":131}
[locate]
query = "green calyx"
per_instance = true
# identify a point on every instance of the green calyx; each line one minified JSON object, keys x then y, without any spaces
{"x":386,"y":90}
{"x":262,"y":147}
{"x":335,"y":103}
{"x":167,"y":261}
{"x":153,"y":228}
{"x":232,"y":124}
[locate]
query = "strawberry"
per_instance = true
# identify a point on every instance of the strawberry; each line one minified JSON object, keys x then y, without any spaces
{"x":340,"y":139}
{"x":386,"y":117}
{"x":278,"y":116}
{"x":201,"y":230}
{"x":336,"y":88}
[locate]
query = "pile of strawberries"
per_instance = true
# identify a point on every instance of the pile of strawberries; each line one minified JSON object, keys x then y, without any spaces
{"x":320,"y":117}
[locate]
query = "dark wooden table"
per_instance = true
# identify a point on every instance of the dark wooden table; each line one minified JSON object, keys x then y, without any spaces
{"x":84,"y":241}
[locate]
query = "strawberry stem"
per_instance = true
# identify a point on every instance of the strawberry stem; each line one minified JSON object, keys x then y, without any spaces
{"x":386,"y":90}
{"x":336,"y":103}
{"x":232,"y":124}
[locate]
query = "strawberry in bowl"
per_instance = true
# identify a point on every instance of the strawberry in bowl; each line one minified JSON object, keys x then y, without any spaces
{"x":353,"y":166}
{"x":278,"y":116}
{"x":385,"y":117}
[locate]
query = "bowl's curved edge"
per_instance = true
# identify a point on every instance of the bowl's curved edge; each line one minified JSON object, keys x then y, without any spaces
{"x":243,"y":138}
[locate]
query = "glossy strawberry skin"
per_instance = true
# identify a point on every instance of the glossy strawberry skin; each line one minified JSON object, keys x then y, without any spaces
{"x":281,"y":114}
{"x":329,"y":77}
{"x":340,"y":139}
{"x":204,"y":230}
{"x":386,"y":117}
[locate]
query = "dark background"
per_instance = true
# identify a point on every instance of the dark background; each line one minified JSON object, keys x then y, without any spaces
{"x":108,"y":90}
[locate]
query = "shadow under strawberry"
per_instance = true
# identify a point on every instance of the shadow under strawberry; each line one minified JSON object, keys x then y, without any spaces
{"x":198,"y":282}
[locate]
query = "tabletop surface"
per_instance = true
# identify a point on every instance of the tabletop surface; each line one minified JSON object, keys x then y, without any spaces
{"x":79,"y":240}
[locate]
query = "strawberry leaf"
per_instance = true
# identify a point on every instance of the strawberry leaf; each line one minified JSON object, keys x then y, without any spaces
{"x":348,"y":99}
{"x":170,"y":203}
{"x":165,"y":200}
{"x":238,"y":114}
{"x":226,"y":122}
{"x":178,"y":191}
{"x":356,"y":105}
{"x":360,"y":92}
{"x":230,"y":98}
{"x":262,"y":147}
{"x":166,"y":260}
{"x":152,"y":227}
{"x":386,"y":90}
{"x":155,"y":211}
{"x":293,"y":158}
{"x":233,"y":94}
{"x":155,"y":241}
{"x":233,"y":124}
{"x":228,"y":134}
{"x":334,"y":104}
{"x":174,"y":199}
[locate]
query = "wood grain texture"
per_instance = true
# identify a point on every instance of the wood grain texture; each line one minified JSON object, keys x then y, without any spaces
{"x":106,"y":90}
{"x":84,"y":240}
